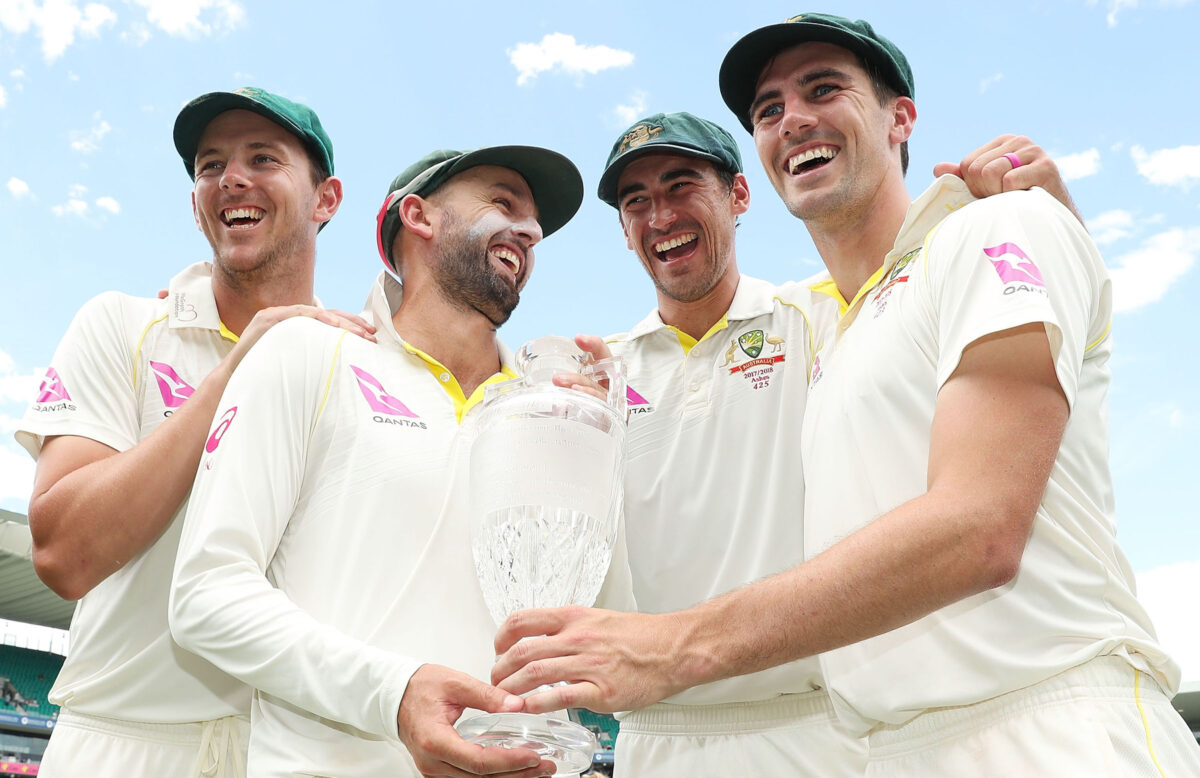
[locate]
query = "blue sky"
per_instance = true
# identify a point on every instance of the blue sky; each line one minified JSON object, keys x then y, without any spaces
{"x":93,"y":196}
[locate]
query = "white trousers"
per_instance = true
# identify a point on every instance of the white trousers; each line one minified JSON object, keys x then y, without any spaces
{"x":99,"y":747}
{"x":794,"y":736}
{"x":1103,"y":719}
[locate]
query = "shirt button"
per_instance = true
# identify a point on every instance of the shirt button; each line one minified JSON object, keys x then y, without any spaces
{"x":444,"y":377}
{"x":694,"y":387}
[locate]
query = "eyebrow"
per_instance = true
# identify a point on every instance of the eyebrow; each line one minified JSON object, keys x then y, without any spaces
{"x":673,"y":174}
{"x":257,"y":145}
{"x":823,"y":74}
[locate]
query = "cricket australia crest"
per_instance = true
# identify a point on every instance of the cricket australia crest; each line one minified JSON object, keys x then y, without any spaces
{"x":760,"y":367}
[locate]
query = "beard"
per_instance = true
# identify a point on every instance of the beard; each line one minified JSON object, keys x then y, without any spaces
{"x":273,"y":261}
{"x":464,"y":273}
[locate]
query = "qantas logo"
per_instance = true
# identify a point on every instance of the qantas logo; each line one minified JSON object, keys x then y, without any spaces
{"x":174,"y":390}
{"x":1024,"y":272}
{"x":377,"y":397}
{"x":52,"y":389}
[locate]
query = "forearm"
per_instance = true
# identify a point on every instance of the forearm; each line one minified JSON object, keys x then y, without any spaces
{"x":89,"y":522}
{"x":921,"y":556}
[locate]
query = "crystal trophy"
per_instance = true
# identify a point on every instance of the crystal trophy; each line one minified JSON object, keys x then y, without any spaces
{"x":546,"y":477}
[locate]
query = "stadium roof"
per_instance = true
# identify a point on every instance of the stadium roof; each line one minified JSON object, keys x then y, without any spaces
{"x":23,"y":596}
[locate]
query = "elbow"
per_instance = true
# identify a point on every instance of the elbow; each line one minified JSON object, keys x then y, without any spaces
{"x":58,"y":568}
{"x":59,"y":575}
{"x":998,"y":557}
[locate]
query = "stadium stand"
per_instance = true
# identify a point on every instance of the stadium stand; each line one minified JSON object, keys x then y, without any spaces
{"x":25,"y":680}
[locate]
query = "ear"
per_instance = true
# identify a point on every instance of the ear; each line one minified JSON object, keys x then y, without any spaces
{"x":904,"y":116}
{"x":329,"y":199}
{"x":195,"y":212}
{"x":416,"y":214}
{"x":740,"y":194}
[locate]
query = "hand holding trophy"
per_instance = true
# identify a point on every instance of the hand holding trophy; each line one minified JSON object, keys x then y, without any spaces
{"x":546,"y":473}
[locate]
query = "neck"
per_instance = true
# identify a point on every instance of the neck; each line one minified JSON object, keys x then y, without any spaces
{"x":697,"y":317}
{"x":238,"y":300}
{"x":854,"y":244}
{"x":463,"y":341}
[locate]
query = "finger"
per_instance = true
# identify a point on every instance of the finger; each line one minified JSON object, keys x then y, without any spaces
{"x":594,"y":345}
{"x":987,"y":151}
{"x":468,"y":692}
{"x":357,"y":320}
{"x":527,"y":623}
{"x":452,"y":756}
{"x":947,"y":169}
{"x":583,"y":694}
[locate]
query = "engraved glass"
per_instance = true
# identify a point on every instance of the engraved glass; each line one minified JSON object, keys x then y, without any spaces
{"x":546,"y":473}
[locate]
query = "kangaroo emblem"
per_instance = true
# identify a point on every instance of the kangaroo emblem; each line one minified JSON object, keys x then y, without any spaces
{"x":730,"y":352}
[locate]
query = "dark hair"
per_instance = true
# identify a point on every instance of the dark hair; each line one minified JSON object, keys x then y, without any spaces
{"x":884,"y":93}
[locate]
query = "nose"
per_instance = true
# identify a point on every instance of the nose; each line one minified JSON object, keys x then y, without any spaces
{"x":796,"y":117}
{"x":529,"y":231}
{"x":662,"y":217}
{"x":234,"y":176}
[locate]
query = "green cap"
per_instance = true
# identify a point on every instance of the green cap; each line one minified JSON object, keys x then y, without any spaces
{"x":298,"y":119}
{"x":681,"y":133}
{"x":745,"y":61}
{"x":553,"y":179}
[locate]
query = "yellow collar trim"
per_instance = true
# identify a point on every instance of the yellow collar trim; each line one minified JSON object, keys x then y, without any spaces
{"x":462,"y":403}
{"x":688,"y":342}
{"x":226,"y":332}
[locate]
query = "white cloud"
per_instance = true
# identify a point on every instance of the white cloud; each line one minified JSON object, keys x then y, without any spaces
{"x":77,"y":191}
{"x":635,"y":109}
{"x":987,"y":83}
{"x":16,"y":74}
{"x":1168,"y":594}
{"x":1144,"y":275}
{"x":1115,"y":6}
{"x":16,"y":474}
{"x":59,"y":20}
{"x":1169,"y":167}
{"x":1080,"y":165}
{"x":71,"y":207}
{"x":558,"y":51}
{"x":193,"y":18}
{"x":18,"y":188}
{"x":108,"y":204}
{"x":87,"y":141}
{"x":137,"y":34}
{"x":1110,"y":226}
{"x":3,"y":97}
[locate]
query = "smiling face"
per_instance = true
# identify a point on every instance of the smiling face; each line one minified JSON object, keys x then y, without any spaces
{"x":679,"y":217}
{"x":486,"y":232}
{"x":254,"y":197}
{"x":827,"y":144}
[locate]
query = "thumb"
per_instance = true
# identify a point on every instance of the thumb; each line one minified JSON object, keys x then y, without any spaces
{"x":947,"y":169}
{"x":595,"y":345}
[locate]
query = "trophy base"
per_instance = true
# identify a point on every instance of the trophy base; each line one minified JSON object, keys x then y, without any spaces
{"x":567,"y":744}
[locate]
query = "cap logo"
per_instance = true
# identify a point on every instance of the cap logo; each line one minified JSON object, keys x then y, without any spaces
{"x":247,"y":91}
{"x":643,"y":133}
{"x":793,"y":19}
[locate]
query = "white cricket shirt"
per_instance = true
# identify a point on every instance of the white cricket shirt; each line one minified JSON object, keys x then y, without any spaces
{"x":957,"y":274}
{"x":713,"y":487}
{"x":125,"y":365}
{"x":326,"y":553}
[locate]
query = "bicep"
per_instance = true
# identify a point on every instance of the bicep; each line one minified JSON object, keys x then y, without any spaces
{"x":999,"y":421}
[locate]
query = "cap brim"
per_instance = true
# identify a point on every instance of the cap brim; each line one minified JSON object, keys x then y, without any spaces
{"x":607,"y":188}
{"x":742,"y":66}
{"x":196,"y":115}
{"x":553,"y":179}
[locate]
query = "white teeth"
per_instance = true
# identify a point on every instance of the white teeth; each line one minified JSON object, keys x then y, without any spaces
{"x":508,"y":257}
{"x":243,"y":213}
{"x":667,"y":245}
{"x":821,"y":152}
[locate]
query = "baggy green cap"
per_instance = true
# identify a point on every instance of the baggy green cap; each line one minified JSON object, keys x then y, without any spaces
{"x":553,"y":179}
{"x":682,"y":133}
{"x":296,"y":118}
{"x":744,"y":63}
